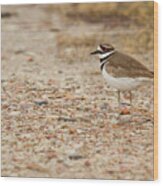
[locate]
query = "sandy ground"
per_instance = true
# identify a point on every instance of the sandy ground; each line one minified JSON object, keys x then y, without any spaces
{"x":59,"y":118}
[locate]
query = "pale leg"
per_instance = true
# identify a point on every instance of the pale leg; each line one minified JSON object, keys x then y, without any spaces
{"x":119,"y":98}
{"x":130,"y":98}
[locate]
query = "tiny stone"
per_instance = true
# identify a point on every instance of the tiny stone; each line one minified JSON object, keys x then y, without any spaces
{"x":87,"y":163}
{"x":75,"y":157}
{"x":41,"y":102}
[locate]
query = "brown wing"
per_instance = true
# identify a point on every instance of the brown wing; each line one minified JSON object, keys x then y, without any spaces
{"x":121,"y":65}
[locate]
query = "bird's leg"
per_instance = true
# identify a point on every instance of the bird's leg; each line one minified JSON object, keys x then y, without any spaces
{"x":119,"y":98}
{"x":130,"y":98}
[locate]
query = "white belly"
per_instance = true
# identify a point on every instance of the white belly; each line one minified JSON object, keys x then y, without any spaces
{"x":123,"y":83}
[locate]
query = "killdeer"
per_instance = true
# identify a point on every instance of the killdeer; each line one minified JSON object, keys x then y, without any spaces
{"x":121,"y":71}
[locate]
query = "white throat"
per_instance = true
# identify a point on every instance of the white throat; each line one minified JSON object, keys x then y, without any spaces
{"x":102,"y":56}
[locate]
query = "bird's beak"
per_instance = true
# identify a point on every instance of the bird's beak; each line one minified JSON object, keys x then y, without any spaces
{"x":95,"y":52}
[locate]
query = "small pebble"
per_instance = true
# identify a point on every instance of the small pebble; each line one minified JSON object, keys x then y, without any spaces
{"x":41,"y":102}
{"x":75,"y":157}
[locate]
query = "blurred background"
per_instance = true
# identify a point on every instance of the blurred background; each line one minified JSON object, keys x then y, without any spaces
{"x":79,"y":28}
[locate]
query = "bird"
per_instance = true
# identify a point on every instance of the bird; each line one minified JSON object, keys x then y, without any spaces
{"x":121,"y":71}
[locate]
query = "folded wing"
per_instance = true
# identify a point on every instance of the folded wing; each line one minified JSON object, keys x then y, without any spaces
{"x":121,"y":65}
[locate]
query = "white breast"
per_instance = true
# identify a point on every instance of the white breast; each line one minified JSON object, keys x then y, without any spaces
{"x":123,"y":83}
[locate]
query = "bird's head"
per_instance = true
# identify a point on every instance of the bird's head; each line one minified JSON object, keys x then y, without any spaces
{"x":103,"y":50}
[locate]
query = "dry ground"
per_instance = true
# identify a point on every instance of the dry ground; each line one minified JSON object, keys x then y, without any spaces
{"x":59,"y":119}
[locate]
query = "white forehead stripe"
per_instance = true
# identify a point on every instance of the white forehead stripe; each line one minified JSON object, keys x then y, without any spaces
{"x":99,"y":48}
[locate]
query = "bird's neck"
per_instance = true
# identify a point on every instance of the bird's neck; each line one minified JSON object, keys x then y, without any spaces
{"x":105,"y":56}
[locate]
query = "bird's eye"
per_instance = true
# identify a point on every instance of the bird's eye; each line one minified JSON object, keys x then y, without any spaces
{"x":104,"y":49}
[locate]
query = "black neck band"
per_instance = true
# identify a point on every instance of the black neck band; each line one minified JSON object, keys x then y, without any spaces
{"x":104,"y":60}
{"x":102,"y":66}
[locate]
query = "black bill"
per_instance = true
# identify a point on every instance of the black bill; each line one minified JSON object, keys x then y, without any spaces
{"x":95,"y":52}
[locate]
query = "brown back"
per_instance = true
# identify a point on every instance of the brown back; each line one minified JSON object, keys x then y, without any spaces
{"x":121,"y":65}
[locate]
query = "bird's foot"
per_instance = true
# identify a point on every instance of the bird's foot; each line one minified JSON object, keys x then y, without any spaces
{"x":125,"y":108}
